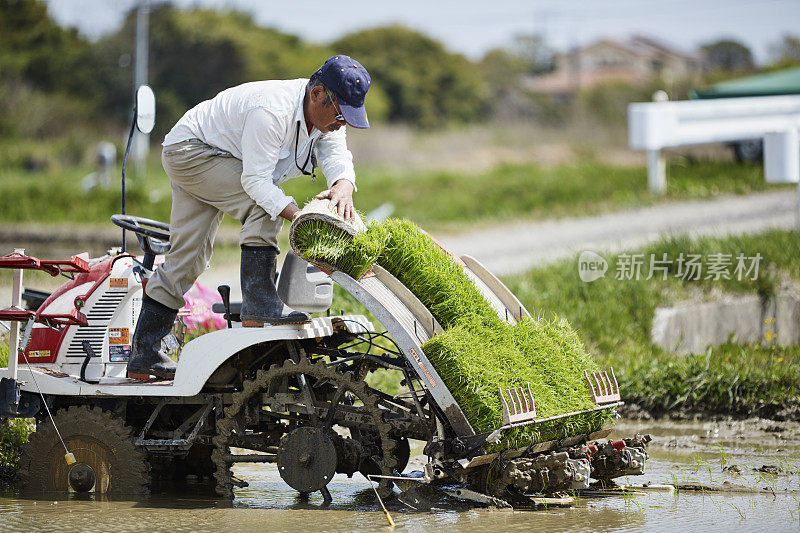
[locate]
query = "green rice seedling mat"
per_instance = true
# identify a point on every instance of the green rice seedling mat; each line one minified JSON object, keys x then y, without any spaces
{"x":478,"y":352}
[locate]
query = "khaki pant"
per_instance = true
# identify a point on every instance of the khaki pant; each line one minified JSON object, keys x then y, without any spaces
{"x":206,"y":184}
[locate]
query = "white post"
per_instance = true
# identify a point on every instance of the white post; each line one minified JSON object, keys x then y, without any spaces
{"x":141,"y":141}
{"x":656,"y":171}
{"x":782,"y":159}
{"x":16,"y":301}
{"x":782,"y":156}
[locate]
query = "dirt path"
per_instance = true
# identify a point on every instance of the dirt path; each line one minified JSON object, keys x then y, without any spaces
{"x":513,"y":248}
{"x":516,"y":247}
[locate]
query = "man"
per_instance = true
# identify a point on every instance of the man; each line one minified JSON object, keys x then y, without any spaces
{"x":229,"y":155}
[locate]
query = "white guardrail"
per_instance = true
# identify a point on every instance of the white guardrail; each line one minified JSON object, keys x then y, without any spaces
{"x":776,"y":119}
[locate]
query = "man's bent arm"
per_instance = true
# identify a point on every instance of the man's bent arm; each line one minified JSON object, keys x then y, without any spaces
{"x":261,"y":143}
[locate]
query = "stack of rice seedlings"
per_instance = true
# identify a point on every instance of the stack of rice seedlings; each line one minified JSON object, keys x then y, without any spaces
{"x":478,"y":352}
{"x":319,"y":235}
{"x":434,"y":276}
{"x":475,"y":360}
{"x":321,"y":242}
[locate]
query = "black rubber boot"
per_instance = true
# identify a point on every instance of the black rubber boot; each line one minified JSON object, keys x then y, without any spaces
{"x":260,"y":301}
{"x":155,"y":322}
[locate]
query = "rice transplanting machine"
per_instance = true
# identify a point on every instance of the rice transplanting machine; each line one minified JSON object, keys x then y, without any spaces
{"x":299,"y":396}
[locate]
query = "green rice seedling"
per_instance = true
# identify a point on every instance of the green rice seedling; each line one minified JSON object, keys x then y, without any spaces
{"x":737,"y":509}
{"x":478,"y":353}
{"x":321,"y":241}
{"x":471,"y":366}
{"x":555,"y":350}
{"x":328,"y":244}
{"x":434,"y":276}
{"x":363,"y":251}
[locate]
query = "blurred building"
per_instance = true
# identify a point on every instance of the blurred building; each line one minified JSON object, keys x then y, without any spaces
{"x":637,"y":60}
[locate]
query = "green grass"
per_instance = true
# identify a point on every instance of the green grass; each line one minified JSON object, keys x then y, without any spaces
{"x":478,"y":352}
{"x":731,"y":379}
{"x":435,"y":199}
{"x":13,"y":432}
{"x":513,"y":191}
{"x":614,"y":318}
{"x":54,"y":194}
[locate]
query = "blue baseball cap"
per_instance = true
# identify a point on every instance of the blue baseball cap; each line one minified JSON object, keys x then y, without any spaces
{"x":349,"y":82}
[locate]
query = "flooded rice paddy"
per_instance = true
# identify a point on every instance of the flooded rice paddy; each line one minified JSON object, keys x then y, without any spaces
{"x":730,"y":476}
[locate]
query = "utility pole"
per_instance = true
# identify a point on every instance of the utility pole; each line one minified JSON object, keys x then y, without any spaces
{"x":542,"y":22}
{"x":141,"y":141}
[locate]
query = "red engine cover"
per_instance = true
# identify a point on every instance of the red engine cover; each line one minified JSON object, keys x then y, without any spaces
{"x":45,"y":342}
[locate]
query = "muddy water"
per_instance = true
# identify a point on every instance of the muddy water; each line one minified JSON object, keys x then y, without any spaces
{"x":686,"y":454}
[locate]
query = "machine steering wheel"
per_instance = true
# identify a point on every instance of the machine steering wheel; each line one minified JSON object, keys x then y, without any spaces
{"x":153,"y":236}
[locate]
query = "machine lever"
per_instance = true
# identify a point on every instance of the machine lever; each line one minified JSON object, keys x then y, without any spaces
{"x":89,"y":351}
{"x":225,"y":292}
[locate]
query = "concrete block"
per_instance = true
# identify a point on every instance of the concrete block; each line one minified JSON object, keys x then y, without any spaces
{"x":692,"y":327}
{"x":787,"y":319}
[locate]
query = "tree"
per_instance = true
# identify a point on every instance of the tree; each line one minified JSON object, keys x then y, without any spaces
{"x":539,"y":56}
{"x":34,"y":49}
{"x":728,"y":55}
{"x":424,"y":83}
{"x":786,"y":52}
{"x":502,"y":68}
{"x":40,"y":81}
{"x":503,"y":71}
{"x":194,"y":54}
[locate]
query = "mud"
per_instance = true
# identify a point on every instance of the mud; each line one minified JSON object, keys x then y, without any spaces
{"x":726,"y":435}
{"x":786,"y":413}
{"x":729,"y":474}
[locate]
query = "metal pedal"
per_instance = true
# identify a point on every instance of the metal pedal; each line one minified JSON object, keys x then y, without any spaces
{"x":518,"y":405}
{"x":604,"y":389}
{"x":140,"y":376}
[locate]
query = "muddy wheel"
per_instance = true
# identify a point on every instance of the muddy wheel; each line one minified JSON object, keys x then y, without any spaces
{"x":371,"y":466}
{"x":108,"y":462}
{"x":329,"y":387}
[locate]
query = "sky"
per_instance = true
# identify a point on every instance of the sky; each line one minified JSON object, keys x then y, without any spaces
{"x":472,"y":27}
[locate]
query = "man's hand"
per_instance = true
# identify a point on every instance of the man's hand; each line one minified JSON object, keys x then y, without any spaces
{"x":341,"y":197}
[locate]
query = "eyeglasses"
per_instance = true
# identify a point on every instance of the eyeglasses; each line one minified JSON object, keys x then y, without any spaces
{"x":339,"y":117}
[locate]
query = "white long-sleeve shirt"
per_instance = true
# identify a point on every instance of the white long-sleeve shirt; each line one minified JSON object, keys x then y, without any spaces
{"x":263,"y":124}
